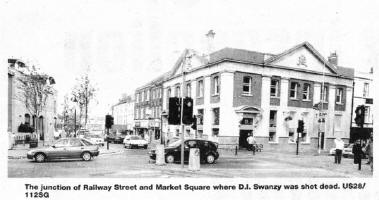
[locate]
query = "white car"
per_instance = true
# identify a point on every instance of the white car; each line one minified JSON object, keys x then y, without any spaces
{"x":135,"y":141}
{"x":346,"y":152}
{"x":95,"y":139}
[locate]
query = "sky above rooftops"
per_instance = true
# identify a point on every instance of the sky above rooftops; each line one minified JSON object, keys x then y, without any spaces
{"x":127,"y":44}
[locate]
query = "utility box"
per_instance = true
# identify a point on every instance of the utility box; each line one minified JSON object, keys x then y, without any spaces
{"x":194,"y":159}
{"x":160,"y":160}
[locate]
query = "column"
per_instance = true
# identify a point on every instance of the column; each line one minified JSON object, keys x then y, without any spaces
{"x":263,"y":129}
{"x":330,"y":113}
{"x":207,"y":126}
{"x":281,"y":129}
{"x":228,"y":117}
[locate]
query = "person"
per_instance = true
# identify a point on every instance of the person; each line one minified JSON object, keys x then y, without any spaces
{"x":251,"y":141}
{"x":369,"y":151}
{"x":357,"y":151}
{"x":339,"y":147}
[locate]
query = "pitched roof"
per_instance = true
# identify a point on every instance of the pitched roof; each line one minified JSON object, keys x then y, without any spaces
{"x":236,"y":55}
{"x":345,"y":71}
{"x":310,"y":48}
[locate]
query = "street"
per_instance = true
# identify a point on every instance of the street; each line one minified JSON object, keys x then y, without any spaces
{"x":134,"y":163}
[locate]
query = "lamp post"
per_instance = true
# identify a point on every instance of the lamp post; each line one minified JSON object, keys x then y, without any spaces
{"x":73,"y":99}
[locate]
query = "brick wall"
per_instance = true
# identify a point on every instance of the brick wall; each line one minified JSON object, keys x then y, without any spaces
{"x":299,"y":102}
{"x":238,"y":98}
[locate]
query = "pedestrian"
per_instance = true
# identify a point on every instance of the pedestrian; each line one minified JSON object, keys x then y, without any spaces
{"x":339,"y":147}
{"x":369,"y":150}
{"x":251,"y":142}
{"x":357,"y":151}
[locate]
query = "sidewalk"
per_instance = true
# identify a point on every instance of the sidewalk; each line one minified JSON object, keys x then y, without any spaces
{"x":309,"y":160}
{"x":20,"y":150}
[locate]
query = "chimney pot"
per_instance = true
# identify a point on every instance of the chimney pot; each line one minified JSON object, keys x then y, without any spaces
{"x":333,"y":58}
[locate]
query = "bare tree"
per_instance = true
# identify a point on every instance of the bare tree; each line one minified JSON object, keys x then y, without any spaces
{"x":83,"y":93}
{"x":35,"y":89}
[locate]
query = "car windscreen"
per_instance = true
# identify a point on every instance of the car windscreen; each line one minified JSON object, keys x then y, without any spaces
{"x":86,"y":142}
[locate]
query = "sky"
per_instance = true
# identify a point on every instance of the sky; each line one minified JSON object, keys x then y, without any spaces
{"x":125,"y":44}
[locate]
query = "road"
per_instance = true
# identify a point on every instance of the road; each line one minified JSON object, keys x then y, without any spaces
{"x":134,"y":163}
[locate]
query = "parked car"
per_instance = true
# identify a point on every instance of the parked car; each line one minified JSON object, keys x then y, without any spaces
{"x":65,"y":148}
{"x":208,"y":151}
{"x":135,"y":141}
{"x":81,"y":133}
{"x":96,"y":139}
{"x":347,"y":151}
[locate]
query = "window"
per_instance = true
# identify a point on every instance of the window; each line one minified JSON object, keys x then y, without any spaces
{"x":246,"y":85}
{"x":168,"y":92}
{"x":200,"y":112}
{"x":272,"y":118}
{"x":291,"y":136}
{"x":188,"y":89}
{"x":306,"y":91}
{"x":143,"y":96}
{"x":137,"y":97}
{"x":75,"y":143}
{"x":274,"y":90}
{"x":365,"y":90}
{"x":216,"y":82}
{"x":216,"y":116}
{"x":177,"y":91}
{"x":215,"y":131}
{"x":367,"y":114}
{"x":200,"y":88}
{"x":324,"y":92}
{"x":293,"y":90}
{"x":27,"y":119}
{"x":339,"y":95}
{"x":147,"y":95}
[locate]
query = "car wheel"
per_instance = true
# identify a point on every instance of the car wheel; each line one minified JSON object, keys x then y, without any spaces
{"x":86,"y":156}
{"x":40,"y":157}
{"x":170,"y":159}
{"x":210,"y":159}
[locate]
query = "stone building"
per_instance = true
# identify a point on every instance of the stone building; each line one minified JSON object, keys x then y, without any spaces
{"x":237,"y":92}
{"x":19,"y":115}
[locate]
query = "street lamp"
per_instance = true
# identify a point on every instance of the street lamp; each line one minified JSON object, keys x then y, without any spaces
{"x":163,"y":114}
{"x":73,"y":99}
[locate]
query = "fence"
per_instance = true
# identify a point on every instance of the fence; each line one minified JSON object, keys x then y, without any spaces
{"x":25,"y":139}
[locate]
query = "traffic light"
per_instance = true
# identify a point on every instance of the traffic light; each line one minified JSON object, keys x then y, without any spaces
{"x":300,"y":126}
{"x":194,"y":124}
{"x":174,"y":107}
{"x":187,"y":111}
{"x":108,"y":121}
{"x":360,"y":115}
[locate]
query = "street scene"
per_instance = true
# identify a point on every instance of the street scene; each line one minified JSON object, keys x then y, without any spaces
{"x":132,"y":95}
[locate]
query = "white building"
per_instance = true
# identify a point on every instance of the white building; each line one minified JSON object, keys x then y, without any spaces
{"x":238,"y":92}
{"x":18,"y":114}
{"x":123,"y":114}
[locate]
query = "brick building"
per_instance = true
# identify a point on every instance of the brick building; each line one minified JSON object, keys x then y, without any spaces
{"x":237,"y":92}
{"x":148,"y":109}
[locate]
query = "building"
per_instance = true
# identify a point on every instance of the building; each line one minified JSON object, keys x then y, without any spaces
{"x":148,"y":108}
{"x":362,"y":96}
{"x":123,"y":115}
{"x":237,"y":92}
{"x":20,"y":118}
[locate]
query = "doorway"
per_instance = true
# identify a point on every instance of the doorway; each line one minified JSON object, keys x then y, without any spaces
{"x":243,"y":138}
{"x":321,"y":137}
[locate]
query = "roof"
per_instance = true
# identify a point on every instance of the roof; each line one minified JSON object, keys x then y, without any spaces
{"x":310,"y":48}
{"x":236,"y":55}
{"x":345,"y":71}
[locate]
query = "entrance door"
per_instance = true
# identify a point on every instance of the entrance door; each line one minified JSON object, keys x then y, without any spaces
{"x":243,"y":138}
{"x":321,"y":137}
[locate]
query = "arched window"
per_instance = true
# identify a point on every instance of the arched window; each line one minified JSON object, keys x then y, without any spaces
{"x":27,"y":119}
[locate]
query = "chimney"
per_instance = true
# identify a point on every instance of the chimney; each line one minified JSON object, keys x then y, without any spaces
{"x":210,"y":46}
{"x":371,"y":70}
{"x":333,"y":58}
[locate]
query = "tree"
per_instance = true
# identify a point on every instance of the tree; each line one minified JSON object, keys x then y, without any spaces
{"x":83,"y":93}
{"x":36,"y":87}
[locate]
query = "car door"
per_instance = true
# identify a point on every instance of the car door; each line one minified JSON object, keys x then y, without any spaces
{"x":58,"y":150}
{"x":75,"y":149}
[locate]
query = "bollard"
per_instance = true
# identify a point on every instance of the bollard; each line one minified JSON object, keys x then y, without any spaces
{"x":159,"y":153}
{"x":235,"y":153}
{"x":194,"y":159}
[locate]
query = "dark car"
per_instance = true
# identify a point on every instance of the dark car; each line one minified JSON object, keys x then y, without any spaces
{"x":208,"y":151}
{"x":65,"y":148}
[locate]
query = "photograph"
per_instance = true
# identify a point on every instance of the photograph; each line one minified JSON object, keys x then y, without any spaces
{"x":114,"y":91}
